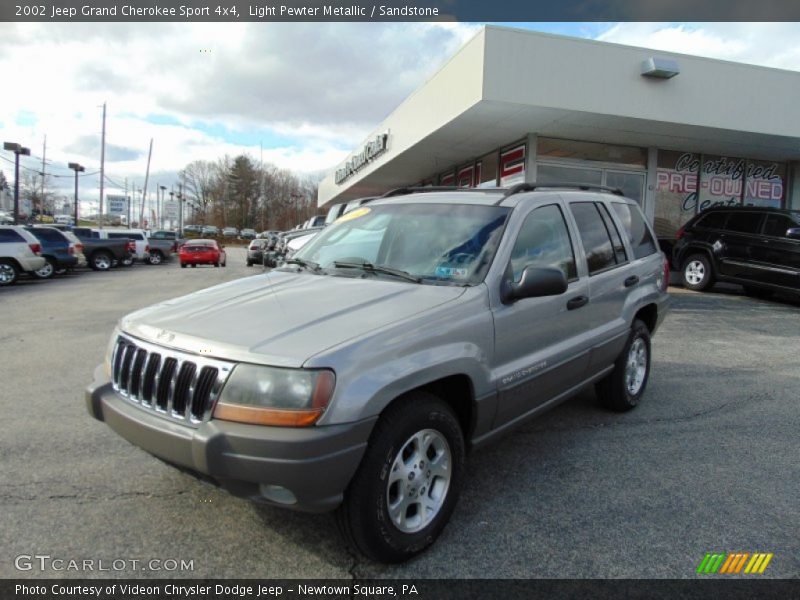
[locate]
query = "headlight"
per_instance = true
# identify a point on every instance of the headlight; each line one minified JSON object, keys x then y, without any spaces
{"x":273,"y":396}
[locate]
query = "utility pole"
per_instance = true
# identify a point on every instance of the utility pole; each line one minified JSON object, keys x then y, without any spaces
{"x":180,"y":208}
{"x":44,"y":154}
{"x":102,"y":164}
{"x":127,"y":204}
{"x":144,"y":189}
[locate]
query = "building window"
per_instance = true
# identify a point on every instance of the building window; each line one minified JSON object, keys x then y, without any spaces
{"x":447,"y":178}
{"x":676,"y":191}
{"x":466,"y":177}
{"x":487,"y":170}
{"x":764,"y":185}
{"x":512,"y":166}
{"x":552,"y":148}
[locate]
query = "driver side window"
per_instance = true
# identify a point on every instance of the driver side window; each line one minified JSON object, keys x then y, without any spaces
{"x":544,"y":242}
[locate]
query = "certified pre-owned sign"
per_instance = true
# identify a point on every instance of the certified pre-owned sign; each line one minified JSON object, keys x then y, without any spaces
{"x":372,"y":149}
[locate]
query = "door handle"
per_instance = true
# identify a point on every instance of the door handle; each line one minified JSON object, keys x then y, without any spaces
{"x":577,"y":302}
{"x":632,"y":280}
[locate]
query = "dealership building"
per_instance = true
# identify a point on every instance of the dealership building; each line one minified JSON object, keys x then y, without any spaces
{"x":677,"y":133}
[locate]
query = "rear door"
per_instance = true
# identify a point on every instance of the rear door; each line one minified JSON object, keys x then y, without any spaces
{"x":609,"y":281}
{"x":540,"y":345}
{"x":779,"y":255}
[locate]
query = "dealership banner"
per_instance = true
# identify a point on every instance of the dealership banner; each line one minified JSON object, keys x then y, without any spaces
{"x":116,"y":205}
{"x":708,"y":586}
{"x":397,"y":11}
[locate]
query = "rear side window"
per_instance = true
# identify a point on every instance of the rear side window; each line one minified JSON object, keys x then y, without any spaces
{"x":9,"y":236}
{"x":714,"y":220}
{"x":619,"y":247}
{"x":49,"y":235}
{"x":594,"y":235}
{"x":744,"y":222}
{"x":777,"y":225}
{"x":638,"y":232}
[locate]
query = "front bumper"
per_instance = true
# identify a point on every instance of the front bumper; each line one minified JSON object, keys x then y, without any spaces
{"x":314,"y":463}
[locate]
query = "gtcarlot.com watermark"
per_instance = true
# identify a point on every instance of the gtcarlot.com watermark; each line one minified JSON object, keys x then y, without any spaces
{"x":46,"y":562}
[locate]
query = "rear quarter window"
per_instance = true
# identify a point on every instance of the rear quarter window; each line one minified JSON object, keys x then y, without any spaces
{"x":635,"y":227}
{"x":9,"y":236}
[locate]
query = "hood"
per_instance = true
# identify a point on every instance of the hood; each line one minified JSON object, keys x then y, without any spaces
{"x":282,"y":318}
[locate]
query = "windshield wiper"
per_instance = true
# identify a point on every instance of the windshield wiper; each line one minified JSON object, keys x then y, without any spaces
{"x":307,"y":264}
{"x":370,"y":268}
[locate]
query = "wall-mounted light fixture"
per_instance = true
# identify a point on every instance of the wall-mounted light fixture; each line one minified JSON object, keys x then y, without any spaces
{"x":660,"y":68}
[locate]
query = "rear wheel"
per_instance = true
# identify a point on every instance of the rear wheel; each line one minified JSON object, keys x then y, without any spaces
{"x":101,"y":261}
{"x":9,"y":273}
{"x":249,"y":263}
{"x":48,"y":270}
{"x":697,"y":274}
{"x":194,"y":265}
{"x":127,"y":262}
{"x":407,"y":485}
{"x":156,"y":258}
{"x":216,"y":264}
{"x":622,"y":389}
{"x":183,"y":265}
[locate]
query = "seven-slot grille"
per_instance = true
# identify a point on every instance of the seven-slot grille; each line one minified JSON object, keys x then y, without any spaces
{"x":170,"y":383}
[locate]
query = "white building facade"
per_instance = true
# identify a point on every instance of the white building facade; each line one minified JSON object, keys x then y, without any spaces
{"x":677,"y":133}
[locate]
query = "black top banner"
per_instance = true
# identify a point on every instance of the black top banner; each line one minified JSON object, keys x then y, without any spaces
{"x":402,"y":10}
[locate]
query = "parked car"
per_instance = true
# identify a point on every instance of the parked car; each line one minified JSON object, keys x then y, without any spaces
{"x":102,"y":254}
{"x":276,"y":257}
{"x":248,"y":234}
{"x":230,"y":232}
{"x":295,"y":244}
{"x":165,"y":234}
{"x":137,"y":235}
{"x":193,"y":228}
{"x":358,"y":376}
{"x":209,"y":230}
{"x":61,"y":250}
{"x":64,"y":220}
{"x":202,"y":252}
{"x":255,"y":252}
{"x":335,"y":211}
{"x":20,"y":252}
{"x":160,"y":250}
{"x":758,"y":248}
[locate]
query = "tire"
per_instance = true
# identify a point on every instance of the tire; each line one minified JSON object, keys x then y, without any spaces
{"x":757,"y":292}
{"x":155,"y":258}
{"x":47,"y":271}
{"x":696,"y":273}
{"x":9,"y":273}
{"x":183,"y":265}
{"x":225,"y":264}
{"x":216,"y":264}
{"x":101,"y":261}
{"x":249,"y":263}
{"x":411,"y":424}
{"x":127,"y":262}
{"x":194,"y":265}
{"x":622,"y":389}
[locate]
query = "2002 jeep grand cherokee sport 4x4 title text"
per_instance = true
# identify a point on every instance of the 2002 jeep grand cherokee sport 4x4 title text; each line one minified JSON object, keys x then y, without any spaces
{"x":414,"y":328}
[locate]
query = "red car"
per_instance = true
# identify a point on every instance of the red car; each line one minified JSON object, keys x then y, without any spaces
{"x":202,"y":252}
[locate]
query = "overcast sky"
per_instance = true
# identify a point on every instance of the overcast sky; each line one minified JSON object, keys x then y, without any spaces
{"x":307,"y":93}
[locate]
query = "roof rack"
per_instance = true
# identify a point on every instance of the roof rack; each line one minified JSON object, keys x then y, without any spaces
{"x":434,"y":188}
{"x":529,"y":187}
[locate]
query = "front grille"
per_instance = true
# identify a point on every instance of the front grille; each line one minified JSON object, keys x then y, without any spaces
{"x":170,"y":383}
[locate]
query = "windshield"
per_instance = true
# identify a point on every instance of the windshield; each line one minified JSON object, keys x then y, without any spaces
{"x":446,"y":243}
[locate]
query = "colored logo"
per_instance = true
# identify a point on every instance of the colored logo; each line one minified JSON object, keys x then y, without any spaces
{"x":733,"y":563}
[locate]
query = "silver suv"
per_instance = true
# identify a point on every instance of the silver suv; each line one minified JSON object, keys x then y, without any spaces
{"x":415,"y":328}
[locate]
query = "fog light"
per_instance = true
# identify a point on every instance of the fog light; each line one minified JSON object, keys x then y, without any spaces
{"x":277,"y":493}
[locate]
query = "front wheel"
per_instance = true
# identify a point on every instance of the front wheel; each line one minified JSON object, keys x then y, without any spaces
{"x":697,"y":274}
{"x":622,"y":389}
{"x":127,"y":262}
{"x":183,"y":265}
{"x":9,"y":273}
{"x":407,"y":485}
{"x":249,"y":263}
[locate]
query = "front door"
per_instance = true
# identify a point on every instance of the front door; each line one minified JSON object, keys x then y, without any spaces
{"x":540,"y":343}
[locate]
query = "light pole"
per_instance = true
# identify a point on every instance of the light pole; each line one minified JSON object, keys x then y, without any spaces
{"x":78,"y":169}
{"x":180,"y":214}
{"x":17,"y":149}
{"x":171,"y":201}
{"x":163,"y":189}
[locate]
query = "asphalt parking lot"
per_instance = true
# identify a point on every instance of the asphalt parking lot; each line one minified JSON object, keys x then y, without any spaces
{"x":708,"y":463}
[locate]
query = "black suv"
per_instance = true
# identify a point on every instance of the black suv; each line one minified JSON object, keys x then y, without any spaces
{"x":758,"y":248}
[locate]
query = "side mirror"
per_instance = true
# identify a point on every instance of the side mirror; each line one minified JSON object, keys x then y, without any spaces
{"x":534,"y":283}
{"x":793,"y":233}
